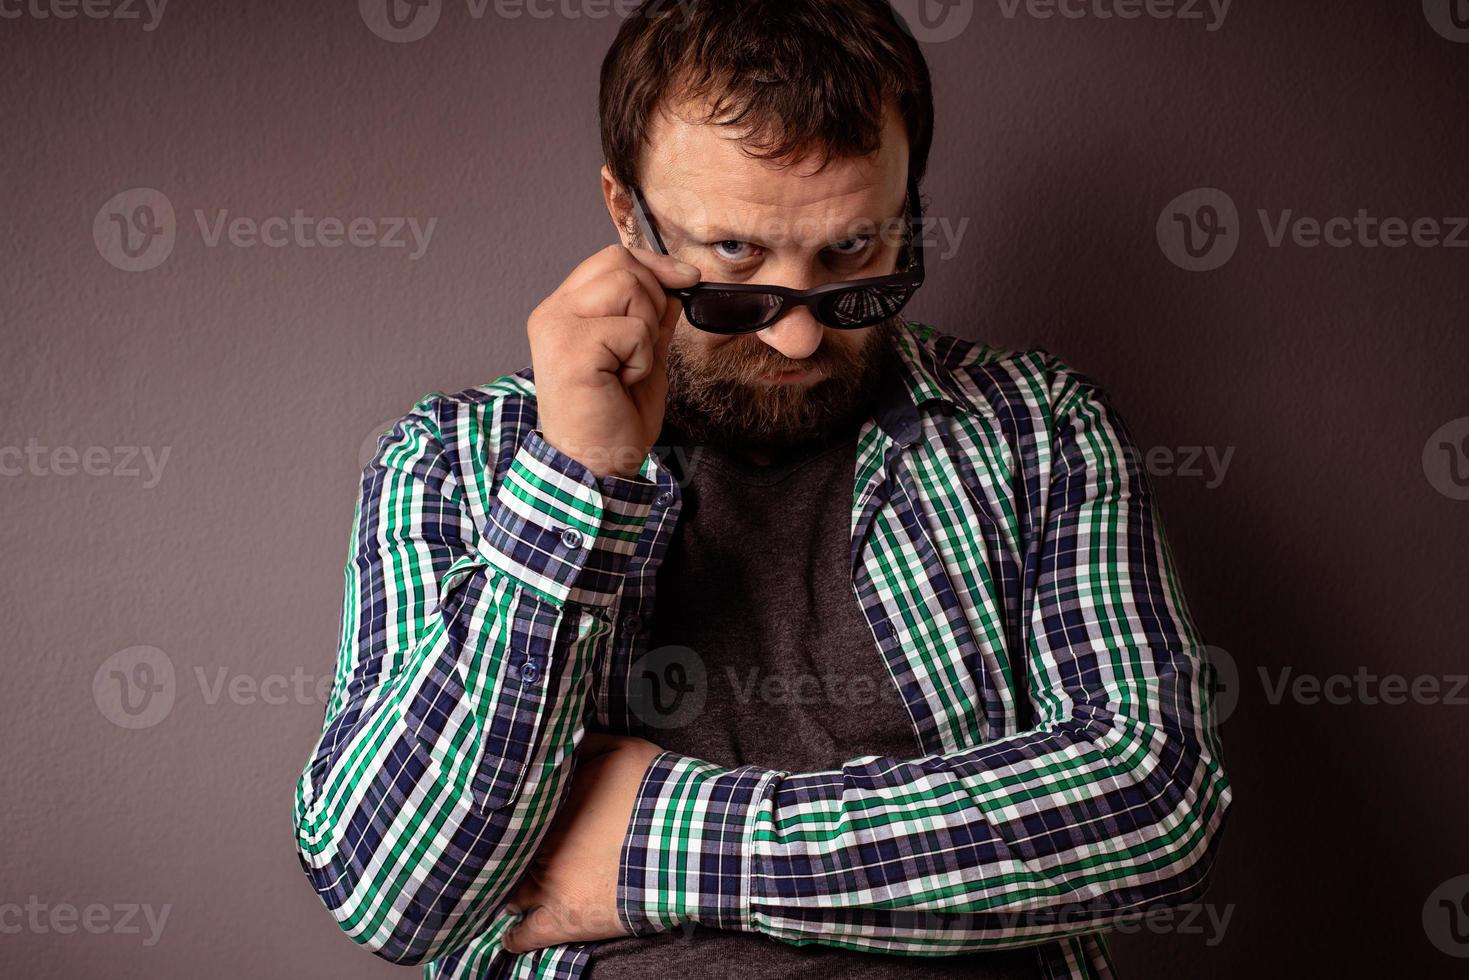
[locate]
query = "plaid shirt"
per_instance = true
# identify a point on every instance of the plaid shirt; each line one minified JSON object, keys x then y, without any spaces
{"x":1004,"y":539}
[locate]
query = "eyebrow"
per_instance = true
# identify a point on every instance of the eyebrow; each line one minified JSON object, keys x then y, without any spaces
{"x":721,"y":233}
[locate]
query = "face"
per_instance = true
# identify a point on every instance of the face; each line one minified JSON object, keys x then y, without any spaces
{"x":741,"y":219}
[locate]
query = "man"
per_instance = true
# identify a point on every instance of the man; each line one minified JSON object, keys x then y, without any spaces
{"x":838,"y":631}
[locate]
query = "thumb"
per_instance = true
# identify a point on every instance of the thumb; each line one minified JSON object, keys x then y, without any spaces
{"x":535,"y":930}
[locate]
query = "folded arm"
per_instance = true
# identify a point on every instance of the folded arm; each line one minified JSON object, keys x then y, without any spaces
{"x":1112,"y":803}
{"x":462,"y":676}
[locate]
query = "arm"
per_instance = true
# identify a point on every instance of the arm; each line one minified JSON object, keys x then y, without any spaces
{"x":462,"y":674}
{"x":1112,"y":803}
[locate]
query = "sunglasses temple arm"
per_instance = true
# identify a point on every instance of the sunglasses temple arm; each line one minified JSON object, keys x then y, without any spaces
{"x":645,"y":224}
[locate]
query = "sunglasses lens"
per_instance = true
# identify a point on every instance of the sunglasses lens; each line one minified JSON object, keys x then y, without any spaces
{"x":863,"y":306}
{"x":729,"y":311}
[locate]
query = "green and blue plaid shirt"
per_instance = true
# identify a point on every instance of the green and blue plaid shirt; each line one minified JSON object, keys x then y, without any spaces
{"x":1008,"y":557}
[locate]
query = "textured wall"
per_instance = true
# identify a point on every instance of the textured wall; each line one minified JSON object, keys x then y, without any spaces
{"x":1320,"y":531}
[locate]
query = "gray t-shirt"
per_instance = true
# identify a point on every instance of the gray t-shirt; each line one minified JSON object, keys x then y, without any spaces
{"x":757,"y":581}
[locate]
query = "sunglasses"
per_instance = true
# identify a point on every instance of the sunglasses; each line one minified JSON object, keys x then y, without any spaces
{"x":743,"y":307}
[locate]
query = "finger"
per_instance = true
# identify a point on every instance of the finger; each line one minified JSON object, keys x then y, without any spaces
{"x":597,"y":264}
{"x":653,"y":271}
{"x":671,"y":272}
{"x":629,"y":341}
{"x":619,"y":292}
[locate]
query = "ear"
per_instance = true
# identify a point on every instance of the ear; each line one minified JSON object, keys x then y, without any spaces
{"x":619,"y":207}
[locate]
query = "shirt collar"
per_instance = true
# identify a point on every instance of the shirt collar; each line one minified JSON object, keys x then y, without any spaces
{"x":914,"y":384}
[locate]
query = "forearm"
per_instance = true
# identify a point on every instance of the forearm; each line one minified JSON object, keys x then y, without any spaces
{"x":415,"y":817}
{"x":1051,"y":833}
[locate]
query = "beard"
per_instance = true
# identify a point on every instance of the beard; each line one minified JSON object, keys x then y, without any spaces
{"x":716,"y":397}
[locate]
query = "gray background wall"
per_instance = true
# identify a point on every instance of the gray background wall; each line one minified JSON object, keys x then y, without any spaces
{"x":1325,"y":547}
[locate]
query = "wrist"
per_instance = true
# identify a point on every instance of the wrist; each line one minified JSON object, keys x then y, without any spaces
{"x":602,"y":459}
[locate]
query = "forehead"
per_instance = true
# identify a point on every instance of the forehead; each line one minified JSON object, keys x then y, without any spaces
{"x":698,"y":175}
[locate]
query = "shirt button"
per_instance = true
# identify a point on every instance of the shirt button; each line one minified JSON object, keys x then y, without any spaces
{"x":530,"y":672}
{"x":664,"y":499}
{"x":571,"y":537}
{"x":630,"y":624}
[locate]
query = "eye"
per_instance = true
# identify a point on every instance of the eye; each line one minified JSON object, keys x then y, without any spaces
{"x":731,"y":250}
{"x":851,"y":246}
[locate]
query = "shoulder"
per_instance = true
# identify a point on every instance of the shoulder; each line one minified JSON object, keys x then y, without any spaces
{"x":1006,"y":384}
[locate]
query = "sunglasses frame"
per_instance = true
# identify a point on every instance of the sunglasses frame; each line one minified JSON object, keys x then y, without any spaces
{"x":789,"y":298}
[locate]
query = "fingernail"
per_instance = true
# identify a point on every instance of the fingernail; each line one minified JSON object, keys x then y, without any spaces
{"x":686,"y":269}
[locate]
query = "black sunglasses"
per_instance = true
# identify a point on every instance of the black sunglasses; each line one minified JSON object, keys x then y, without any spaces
{"x":744,"y":307}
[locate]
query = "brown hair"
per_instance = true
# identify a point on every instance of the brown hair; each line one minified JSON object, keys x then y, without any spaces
{"x":794,"y":76}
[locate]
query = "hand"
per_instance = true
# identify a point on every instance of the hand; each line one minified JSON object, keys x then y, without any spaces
{"x":599,"y":347}
{"x":569,"y":892}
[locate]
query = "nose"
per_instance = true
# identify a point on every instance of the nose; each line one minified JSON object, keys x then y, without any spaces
{"x":796,"y":335}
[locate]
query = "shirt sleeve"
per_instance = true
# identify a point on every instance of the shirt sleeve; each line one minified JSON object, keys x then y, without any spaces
{"x":1112,"y":803}
{"x":462,"y":673}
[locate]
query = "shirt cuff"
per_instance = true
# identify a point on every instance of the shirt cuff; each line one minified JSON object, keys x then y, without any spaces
{"x":558,"y":528}
{"x":689,"y":853}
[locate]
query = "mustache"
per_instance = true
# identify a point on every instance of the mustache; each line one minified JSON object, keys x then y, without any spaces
{"x":747,"y":359}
